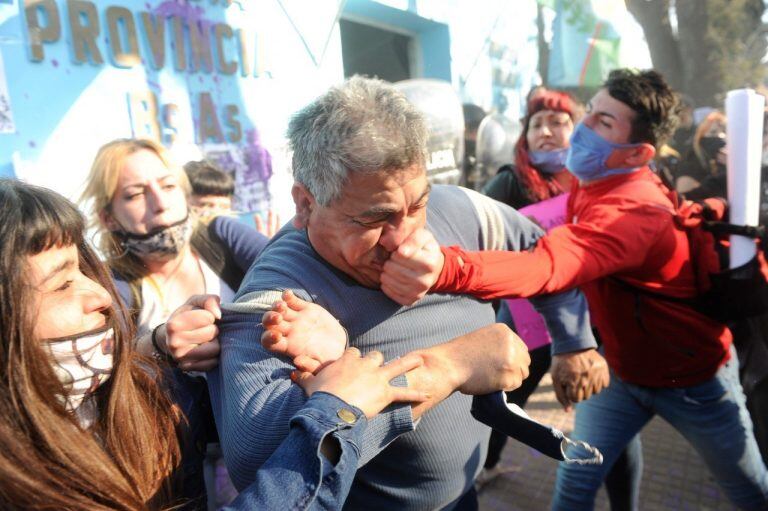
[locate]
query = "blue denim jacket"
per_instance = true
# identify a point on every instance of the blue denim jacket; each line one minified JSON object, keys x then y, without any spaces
{"x":297,"y":476}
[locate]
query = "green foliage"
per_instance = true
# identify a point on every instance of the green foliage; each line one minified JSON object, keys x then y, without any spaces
{"x":736,"y":39}
{"x":580,"y":15}
{"x":718,"y":45}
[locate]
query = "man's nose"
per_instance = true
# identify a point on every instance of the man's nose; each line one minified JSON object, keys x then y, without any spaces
{"x":393,"y":234}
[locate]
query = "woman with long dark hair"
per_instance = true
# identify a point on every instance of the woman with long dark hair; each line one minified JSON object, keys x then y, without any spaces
{"x":85,"y":422}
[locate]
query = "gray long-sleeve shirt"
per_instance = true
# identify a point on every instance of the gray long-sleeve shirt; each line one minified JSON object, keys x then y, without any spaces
{"x":404,"y":465}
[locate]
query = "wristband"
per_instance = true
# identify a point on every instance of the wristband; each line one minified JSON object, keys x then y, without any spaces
{"x":159,"y":354}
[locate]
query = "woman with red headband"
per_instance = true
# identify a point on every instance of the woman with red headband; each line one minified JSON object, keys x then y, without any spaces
{"x":538,"y":172}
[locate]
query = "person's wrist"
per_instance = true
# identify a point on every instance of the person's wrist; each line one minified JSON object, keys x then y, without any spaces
{"x":438,"y":268}
{"x":444,"y":360}
{"x":569,"y":354}
{"x":160,"y":344}
{"x":159,"y":340}
{"x":451,"y":276}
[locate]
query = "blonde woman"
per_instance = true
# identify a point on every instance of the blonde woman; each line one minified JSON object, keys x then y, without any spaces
{"x":158,"y":253}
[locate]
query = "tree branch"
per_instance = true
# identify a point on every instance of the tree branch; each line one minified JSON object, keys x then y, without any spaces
{"x":653,"y":17}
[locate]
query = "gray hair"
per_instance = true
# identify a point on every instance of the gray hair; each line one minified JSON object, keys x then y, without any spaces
{"x":363,"y":125}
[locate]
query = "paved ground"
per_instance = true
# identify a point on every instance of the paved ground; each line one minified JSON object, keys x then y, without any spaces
{"x":674,"y":476}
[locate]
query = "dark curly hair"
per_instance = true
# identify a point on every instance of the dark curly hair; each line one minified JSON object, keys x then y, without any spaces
{"x":655,"y":104}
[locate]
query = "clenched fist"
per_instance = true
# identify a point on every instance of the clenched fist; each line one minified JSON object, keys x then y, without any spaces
{"x":577,"y":376}
{"x":413,"y":268}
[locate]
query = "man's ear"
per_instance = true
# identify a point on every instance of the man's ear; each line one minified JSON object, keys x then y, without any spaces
{"x":107,"y":221}
{"x":630,"y":157}
{"x":305,"y":202}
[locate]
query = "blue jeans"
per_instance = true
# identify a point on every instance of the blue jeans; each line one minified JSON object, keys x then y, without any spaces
{"x":712,"y":416}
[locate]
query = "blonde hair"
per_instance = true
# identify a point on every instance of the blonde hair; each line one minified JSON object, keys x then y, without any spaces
{"x":716,"y":116}
{"x":101,"y":187}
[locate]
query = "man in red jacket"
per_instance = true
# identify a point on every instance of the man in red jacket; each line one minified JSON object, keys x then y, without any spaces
{"x":665,"y":357}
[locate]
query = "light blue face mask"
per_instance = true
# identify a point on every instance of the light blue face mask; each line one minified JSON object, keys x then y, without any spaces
{"x":589,"y":152}
{"x":549,"y":162}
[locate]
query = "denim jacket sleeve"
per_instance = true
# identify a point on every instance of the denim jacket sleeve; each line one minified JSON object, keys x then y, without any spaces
{"x":297,"y":476}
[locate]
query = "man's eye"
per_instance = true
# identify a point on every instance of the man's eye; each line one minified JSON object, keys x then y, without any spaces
{"x":370,"y":223}
{"x":169,"y":186}
{"x":132,"y":196}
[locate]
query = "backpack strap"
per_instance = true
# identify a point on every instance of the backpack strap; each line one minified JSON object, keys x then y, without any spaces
{"x":217,"y":255}
{"x":692,"y":302}
{"x":725,"y":229}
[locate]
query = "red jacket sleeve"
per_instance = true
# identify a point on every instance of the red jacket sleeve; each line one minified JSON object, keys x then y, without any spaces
{"x":612,"y":237}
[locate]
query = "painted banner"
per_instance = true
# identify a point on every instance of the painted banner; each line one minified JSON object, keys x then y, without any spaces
{"x":529,"y":324}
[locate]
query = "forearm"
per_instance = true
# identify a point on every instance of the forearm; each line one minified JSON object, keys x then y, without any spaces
{"x":454,"y":365}
{"x":252,"y":396}
{"x":256,"y":401}
{"x":566,"y":315}
{"x":291,"y":479}
{"x":495,"y":274}
{"x":437,"y":377}
{"x":144,"y":345}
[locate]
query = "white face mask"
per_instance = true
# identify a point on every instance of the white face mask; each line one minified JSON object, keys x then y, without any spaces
{"x":82,"y":363}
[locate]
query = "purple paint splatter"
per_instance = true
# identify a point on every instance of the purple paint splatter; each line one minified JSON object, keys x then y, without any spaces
{"x":184,"y":10}
{"x":32,"y":144}
{"x":257,"y":159}
{"x":55,"y":62}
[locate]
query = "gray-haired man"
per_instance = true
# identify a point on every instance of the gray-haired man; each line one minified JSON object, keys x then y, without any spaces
{"x":361,"y":192}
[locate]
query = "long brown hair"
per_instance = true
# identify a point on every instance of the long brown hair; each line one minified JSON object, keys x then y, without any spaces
{"x":125,"y":460}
